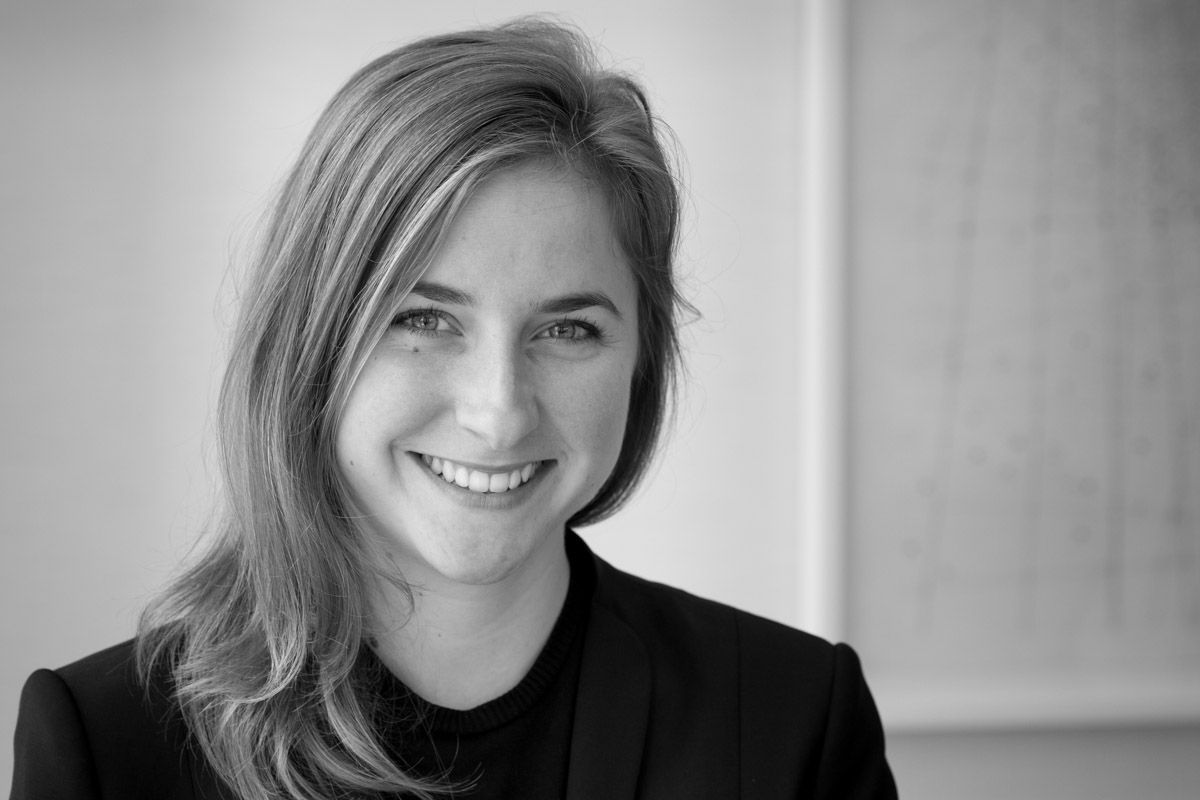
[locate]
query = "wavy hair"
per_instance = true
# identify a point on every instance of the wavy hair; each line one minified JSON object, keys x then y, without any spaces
{"x":260,"y":636}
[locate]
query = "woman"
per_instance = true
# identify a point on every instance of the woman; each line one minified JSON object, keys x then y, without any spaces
{"x":457,"y":346}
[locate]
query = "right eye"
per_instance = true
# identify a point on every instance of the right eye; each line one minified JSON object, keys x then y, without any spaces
{"x":424,"y":321}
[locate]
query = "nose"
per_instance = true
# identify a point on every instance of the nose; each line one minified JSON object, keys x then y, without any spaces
{"x":496,"y":399}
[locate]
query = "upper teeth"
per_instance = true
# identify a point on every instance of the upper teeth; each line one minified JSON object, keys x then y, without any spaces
{"x":478,"y":480}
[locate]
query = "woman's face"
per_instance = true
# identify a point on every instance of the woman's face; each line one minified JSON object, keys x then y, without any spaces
{"x":494,"y":407}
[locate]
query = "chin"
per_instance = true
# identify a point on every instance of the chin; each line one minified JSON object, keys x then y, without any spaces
{"x":484,"y":561}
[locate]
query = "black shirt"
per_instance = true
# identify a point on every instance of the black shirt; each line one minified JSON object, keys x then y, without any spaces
{"x":516,"y":745}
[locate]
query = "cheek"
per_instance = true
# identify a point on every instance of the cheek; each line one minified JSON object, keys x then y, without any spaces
{"x":595,"y":415}
{"x":353,"y":431}
{"x":375,"y":413}
{"x":611,"y":415}
{"x":392,"y":393}
{"x":353,"y":453}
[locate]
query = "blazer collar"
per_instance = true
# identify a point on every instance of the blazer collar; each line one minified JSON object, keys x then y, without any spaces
{"x":612,"y":705}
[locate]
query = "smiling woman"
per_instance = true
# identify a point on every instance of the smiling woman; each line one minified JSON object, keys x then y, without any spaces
{"x":457,"y":345}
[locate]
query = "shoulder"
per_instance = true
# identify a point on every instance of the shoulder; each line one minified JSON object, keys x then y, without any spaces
{"x":687,"y":623}
{"x":788,"y":697}
{"x":105,"y":680}
{"x":113,"y":699}
{"x":88,"y":692}
{"x":711,"y":650}
{"x":94,"y":726}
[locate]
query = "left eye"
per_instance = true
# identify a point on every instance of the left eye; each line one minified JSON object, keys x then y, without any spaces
{"x":568,"y":330}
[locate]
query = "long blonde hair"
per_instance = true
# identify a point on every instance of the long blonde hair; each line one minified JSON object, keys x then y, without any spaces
{"x":259,"y":638}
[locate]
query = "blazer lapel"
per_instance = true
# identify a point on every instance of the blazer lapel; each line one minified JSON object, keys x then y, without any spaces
{"x":612,"y":710}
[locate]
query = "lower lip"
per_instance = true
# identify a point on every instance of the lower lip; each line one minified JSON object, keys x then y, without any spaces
{"x":495,"y":501}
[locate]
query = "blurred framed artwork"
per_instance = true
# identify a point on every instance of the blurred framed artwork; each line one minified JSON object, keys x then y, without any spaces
{"x":1022,"y":361}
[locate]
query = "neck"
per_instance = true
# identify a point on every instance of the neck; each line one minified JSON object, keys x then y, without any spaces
{"x":460,"y":645}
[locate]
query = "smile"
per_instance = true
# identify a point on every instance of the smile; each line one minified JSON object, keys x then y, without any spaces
{"x":481,"y":481}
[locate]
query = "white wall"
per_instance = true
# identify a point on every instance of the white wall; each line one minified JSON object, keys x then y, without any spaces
{"x":140,"y":142}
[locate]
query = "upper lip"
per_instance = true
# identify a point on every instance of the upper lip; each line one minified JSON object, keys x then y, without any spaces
{"x":474,"y":465}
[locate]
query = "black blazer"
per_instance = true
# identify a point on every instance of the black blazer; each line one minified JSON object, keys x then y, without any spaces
{"x":678,"y":697}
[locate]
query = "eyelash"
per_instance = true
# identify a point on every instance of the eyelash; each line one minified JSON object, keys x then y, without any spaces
{"x":591,"y":330}
{"x":415,"y":313}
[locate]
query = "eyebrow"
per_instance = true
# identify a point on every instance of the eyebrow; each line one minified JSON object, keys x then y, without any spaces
{"x":440,"y":293}
{"x":443,"y":294}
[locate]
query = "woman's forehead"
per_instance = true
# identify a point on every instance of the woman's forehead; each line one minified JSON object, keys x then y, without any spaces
{"x":535,"y":231}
